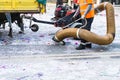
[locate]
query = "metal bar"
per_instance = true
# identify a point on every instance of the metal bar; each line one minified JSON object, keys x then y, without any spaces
{"x":39,"y":21}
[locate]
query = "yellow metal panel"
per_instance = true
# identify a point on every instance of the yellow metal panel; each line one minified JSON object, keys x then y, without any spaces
{"x":20,"y":6}
{"x":5,"y":4}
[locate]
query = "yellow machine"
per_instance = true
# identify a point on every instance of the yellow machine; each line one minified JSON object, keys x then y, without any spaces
{"x":10,"y":11}
{"x":21,"y":6}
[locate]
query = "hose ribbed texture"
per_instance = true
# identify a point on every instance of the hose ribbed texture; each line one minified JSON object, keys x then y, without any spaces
{"x":90,"y":36}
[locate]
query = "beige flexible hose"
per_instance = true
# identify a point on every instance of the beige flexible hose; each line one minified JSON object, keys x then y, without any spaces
{"x":90,"y":36}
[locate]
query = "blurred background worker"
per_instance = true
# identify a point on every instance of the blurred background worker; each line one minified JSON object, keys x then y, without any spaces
{"x":87,"y":12}
{"x":59,"y":2}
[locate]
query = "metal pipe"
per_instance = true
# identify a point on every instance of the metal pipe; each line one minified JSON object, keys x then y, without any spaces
{"x":39,"y":21}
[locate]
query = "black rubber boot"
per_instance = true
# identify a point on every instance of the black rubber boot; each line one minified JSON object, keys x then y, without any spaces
{"x":88,"y":45}
{"x":80,"y":47}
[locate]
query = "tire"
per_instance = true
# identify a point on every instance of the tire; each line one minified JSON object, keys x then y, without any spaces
{"x":34,"y":27}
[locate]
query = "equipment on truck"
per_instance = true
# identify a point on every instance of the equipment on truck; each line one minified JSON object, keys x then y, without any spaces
{"x":10,"y":11}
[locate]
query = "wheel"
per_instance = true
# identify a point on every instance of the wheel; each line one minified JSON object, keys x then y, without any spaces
{"x":34,"y":27}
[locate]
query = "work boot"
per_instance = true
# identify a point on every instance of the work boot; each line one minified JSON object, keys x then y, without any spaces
{"x":80,"y":47}
{"x":88,"y":45}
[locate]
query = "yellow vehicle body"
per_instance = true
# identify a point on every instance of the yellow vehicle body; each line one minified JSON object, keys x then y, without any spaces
{"x":23,"y":6}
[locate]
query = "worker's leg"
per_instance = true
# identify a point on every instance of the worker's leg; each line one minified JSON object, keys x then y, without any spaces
{"x":85,"y":44}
